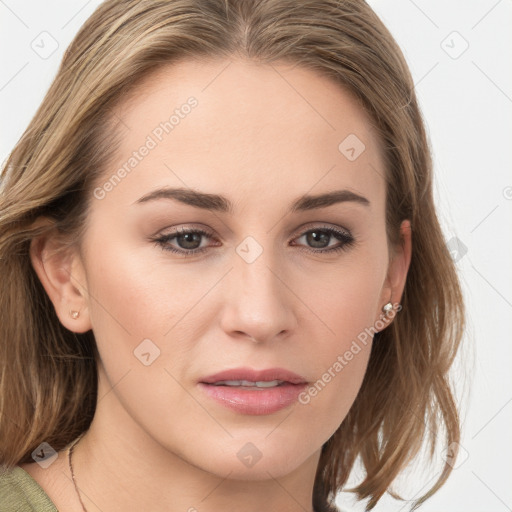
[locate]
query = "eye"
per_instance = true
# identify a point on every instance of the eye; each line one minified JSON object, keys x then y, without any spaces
{"x":188,"y":239}
{"x":319,"y":239}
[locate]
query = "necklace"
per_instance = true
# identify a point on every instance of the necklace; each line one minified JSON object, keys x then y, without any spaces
{"x":70,"y":453}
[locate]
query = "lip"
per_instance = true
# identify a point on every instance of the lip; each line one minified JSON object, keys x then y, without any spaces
{"x":254,"y":401}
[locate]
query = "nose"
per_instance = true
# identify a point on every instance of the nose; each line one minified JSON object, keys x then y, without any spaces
{"x":257,"y":301}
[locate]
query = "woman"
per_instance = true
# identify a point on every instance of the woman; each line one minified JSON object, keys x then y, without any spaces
{"x":223,"y":276}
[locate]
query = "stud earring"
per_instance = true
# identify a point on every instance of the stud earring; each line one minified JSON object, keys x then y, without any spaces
{"x":74,"y":314}
{"x":387,"y":308}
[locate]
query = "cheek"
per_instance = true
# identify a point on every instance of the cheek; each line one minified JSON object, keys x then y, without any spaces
{"x":347,"y":307}
{"x":138,"y":293}
{"x":341,"y":366}
{"x":147,"y":315}
{"x":346,"y":298}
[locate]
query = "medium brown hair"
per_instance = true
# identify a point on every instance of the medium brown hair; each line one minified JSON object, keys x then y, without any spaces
{"x":48,"y":375}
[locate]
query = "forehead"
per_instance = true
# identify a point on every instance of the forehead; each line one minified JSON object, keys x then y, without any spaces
{"x":253,"y":129}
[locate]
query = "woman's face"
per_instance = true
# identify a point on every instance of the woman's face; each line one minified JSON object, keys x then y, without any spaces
{"x":258,"y":292}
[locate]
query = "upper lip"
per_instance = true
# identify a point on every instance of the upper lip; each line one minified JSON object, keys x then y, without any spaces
{"x":251,"y":375}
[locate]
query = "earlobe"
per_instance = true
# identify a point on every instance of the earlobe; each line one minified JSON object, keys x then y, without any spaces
{"x":61,"y":274}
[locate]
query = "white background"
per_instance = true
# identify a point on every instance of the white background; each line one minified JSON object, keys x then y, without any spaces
{"x":466,"y":99}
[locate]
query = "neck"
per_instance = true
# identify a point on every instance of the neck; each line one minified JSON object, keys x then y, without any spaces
{"x":119,"y":466}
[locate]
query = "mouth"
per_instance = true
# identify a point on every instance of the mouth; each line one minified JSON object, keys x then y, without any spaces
{"x":253,"y":392}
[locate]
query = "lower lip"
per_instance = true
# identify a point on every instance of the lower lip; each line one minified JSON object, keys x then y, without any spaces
{"x":254,"y":401}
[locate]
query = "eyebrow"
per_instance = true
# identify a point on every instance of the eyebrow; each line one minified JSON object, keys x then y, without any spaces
{"x":218,"y":203}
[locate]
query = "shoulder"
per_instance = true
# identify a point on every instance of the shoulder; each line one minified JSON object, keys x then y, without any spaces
{"x":19,"y":492}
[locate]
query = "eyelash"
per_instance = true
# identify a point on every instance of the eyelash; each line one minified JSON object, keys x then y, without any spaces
{"x":345,"y":237}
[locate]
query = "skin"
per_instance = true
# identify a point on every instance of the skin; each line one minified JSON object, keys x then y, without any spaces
{"x":262,"y":136}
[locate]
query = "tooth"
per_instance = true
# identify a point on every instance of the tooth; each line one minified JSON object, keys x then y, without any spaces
{"x":268,"y":384}
{"x":248,"y":383}
{"x":228,"y":383}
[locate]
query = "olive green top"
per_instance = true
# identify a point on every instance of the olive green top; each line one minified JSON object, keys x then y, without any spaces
{"x":19,"y":492}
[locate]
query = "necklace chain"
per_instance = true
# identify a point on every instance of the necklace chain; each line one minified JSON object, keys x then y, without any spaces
{"x":70,"y":453}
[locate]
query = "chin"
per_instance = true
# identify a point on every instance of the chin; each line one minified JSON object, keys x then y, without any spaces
{"x":255,"y":460}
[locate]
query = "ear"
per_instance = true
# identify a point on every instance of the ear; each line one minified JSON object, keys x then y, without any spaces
{"x":397,"y":273}
{"x":62,"y":274}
